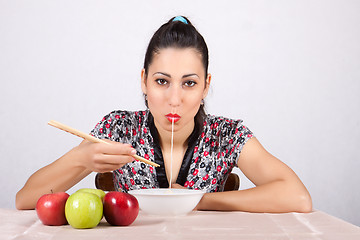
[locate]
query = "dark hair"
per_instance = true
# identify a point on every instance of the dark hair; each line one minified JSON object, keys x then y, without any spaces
{"x":178,"y":34}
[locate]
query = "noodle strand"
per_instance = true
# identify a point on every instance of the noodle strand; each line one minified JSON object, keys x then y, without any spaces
{"x":171,"y":150}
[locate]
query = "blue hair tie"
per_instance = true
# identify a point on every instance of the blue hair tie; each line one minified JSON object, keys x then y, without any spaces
{"x":181,"y":19}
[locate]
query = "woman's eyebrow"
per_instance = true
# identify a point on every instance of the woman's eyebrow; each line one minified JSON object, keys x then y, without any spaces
{"x":161,"y":73}
{"x":184,"y":76}
{"x":191,"y":75}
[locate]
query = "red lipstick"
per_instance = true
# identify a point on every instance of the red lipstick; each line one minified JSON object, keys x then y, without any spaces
{"x":173,"y":117}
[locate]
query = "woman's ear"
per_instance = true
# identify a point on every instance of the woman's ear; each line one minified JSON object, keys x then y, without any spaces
{"x":207,"y":85}
{"x":143,"y":81}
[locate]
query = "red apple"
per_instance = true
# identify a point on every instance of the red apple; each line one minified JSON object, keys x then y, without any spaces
{"x":120,"y":209}
{"x":50,"y":208}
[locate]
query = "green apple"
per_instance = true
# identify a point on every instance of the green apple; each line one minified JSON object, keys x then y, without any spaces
{"x":98,"y":192}
{"x":83,"y":210}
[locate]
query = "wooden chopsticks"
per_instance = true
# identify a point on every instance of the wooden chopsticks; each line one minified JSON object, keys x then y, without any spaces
{"x":93,"y":139}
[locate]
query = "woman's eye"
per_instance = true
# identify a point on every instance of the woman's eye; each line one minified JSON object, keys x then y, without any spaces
{"x":161,"y":81}
{"x":190,"y":83}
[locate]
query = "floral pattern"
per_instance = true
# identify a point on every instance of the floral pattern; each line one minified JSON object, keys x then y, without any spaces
{"x":215,"y":154}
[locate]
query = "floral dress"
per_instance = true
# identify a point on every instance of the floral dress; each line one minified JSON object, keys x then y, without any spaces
{"x":207,"y":163}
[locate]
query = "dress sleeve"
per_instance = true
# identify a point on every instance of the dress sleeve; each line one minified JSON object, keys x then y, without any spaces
{"x":241,"y":135}
{"x":235,"y":135}
{"x":112,"y":126}
{"x":101,"y":130}
{"x":120,"y":126}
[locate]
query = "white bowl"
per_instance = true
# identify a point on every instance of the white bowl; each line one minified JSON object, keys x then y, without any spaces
{"x":167,"y":202}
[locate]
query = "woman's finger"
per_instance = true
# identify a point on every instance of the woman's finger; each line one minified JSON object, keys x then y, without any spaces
{"x":106,"y":168}
{"x":110,"y":163}
{"x":116,"y":148}
{"x":113,"y":159}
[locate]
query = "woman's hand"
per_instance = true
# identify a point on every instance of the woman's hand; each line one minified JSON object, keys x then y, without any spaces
{"x":100,"y":157}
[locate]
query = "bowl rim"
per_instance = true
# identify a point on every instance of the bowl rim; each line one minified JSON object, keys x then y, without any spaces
{"x":165,"y":192}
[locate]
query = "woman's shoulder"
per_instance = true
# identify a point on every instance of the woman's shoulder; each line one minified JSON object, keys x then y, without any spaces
{"x":119,"y":119}
{"x":225,"y":126}
{"x":125,"y":115}
{"x":224,"y":122}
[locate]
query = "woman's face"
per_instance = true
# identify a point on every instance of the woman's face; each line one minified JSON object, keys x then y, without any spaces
{"x":175,"y":86}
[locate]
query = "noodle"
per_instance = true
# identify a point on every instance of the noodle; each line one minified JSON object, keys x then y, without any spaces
{"x":171,"y":150}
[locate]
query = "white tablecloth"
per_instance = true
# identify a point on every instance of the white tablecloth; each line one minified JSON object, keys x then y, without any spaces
{"x":16,"y":224}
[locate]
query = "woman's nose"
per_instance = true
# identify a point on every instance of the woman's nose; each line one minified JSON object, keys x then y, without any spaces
{"x":175,"y":96}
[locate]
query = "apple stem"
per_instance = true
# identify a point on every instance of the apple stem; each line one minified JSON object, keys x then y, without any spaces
{"x":52,"y":191}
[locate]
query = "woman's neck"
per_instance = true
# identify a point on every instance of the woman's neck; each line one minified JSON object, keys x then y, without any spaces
{"x":180,"y":136}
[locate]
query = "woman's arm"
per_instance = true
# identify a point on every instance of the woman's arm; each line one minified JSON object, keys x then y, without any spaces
{"x":278,"y":189}
{"x":71,"y":168}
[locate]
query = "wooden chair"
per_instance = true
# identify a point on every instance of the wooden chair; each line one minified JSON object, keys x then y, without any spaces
{"x":104,"y":181}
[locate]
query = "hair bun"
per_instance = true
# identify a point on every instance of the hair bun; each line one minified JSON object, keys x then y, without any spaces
{"x":180,"y":19}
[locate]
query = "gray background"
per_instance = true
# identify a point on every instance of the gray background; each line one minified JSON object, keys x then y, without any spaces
{"x":290,"y":69}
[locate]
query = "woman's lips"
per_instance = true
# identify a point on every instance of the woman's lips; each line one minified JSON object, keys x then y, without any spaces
{"x":173,"y":117}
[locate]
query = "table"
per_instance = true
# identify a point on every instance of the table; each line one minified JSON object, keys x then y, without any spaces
{"x":207,"y":225}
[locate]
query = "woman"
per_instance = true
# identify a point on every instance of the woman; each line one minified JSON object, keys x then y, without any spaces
{"x":204,"y":149}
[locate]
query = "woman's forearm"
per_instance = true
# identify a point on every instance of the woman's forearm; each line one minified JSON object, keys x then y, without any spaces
{"x":71,"y":168}
{"x":58,"y":176}
{"x":275,"y":197}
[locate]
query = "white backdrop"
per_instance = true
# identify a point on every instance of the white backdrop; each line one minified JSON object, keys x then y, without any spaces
{"x":290,"y":69}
